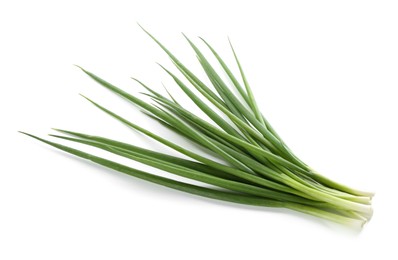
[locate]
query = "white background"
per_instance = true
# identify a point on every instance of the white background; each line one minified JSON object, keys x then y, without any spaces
{"x":324,"y":73}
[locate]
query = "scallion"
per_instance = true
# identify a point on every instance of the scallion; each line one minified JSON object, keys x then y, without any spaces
{"x":258,"y":168}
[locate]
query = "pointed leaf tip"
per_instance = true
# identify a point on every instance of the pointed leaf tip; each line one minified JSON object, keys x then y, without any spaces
{"x":60,"y":130}
{"x":91,"y":101}
{"x":30,"y":135}
{"x":79,"y":67}
{"x":84,"y":96}
{"x":183,"y":34}
{"x":141,"y":26}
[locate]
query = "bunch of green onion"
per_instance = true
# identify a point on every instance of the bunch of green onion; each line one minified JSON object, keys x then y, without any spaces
{"x":254,"y":166}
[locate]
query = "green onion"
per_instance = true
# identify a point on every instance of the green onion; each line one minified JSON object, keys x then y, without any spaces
{"x":257,"y":167}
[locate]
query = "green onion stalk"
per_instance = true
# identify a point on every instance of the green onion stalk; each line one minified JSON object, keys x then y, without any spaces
{"x":254,"y":166}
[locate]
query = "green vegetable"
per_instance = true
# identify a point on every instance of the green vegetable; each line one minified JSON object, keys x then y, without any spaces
{"x":258,"y":168}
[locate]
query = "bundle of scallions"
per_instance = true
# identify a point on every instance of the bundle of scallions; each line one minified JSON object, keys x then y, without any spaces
{"x":254,"y":166}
